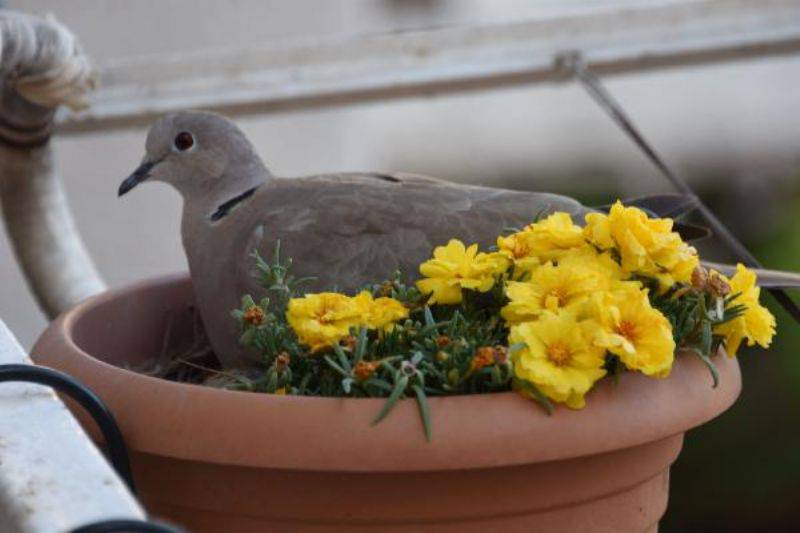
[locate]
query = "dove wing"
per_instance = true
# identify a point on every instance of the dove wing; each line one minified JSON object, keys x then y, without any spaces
{"x":350,"y":229}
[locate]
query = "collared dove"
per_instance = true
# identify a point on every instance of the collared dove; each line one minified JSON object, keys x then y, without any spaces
{"x":345,"y":230}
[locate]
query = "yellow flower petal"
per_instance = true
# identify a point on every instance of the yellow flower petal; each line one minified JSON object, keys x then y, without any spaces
{"x":636,"y":332}
{"x":546,"y":240}
{"x":646,"y":246}
{"x":326,"y":318}
{"x":567,"y":285}
{"x":455,"y":267}
{"x":384,"y":313}
{"x":559,"y":357}
{"x":757,"y":324}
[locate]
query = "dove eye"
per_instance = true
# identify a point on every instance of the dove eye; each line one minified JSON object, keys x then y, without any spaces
{"x":183,"y":141}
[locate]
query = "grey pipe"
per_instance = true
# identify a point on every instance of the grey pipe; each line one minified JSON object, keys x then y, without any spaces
{"x":41,"y":67}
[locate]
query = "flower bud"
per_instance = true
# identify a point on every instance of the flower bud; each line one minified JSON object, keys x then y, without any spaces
{"x":386,"y":288}
{"x":500,"y":355}
{"x":718,"y":285}
{"x":699,"y":277}
{"x":453,"y":376}
{"x":484,"y":356}
{"x":365,"y":369}
{"x":282,"y":361}
{"x":254,"y":315}
{"x":349,"y":343}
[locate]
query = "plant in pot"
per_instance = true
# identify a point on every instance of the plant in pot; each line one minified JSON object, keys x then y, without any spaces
{"x":404,"y":403}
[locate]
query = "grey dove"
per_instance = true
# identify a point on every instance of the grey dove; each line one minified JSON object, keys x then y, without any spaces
{"x":343,"y":229}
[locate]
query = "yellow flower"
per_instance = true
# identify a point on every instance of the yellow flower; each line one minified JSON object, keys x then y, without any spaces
{"x":326,"y":318}
{"x":542,"y":241}
{"x":681,"y":271}
{"x":646,"y":246}
{"x":756,"y":324}
{"x":323,"y":319}
{"x":455,"y":267}
{"x":633,"y":330}
{"x":382,"y":313}
{"x":516,"y":248}
{"x":550,"y":288}
{"x":559,"y":357}
{"x":601,"y":263}
{"x":598,"y":231}
{"x":566,"y":285}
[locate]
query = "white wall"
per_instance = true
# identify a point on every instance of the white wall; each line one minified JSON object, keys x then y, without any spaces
{"x":744,"y":116}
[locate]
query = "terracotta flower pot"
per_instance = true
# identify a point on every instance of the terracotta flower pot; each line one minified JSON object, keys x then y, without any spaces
{"x":216,"y":460}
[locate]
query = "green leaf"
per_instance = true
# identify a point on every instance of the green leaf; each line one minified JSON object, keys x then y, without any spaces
{"x":517,"y":346}
{"x":386,"y":362}
{"x":497,"y":378}
{"x":247,"y":337}
{"x":732,"y":297}
{"x":706,"y":338}
{"x":732,"y":312}
{"x":424,"y":411}
{"x":337,"y":349}
{"x":399,"y":387}
{"x":301,"y":389}
{"x":276,"y":256}
{"x":379,"y":383}
{"x":429,"y":321}
{"x":336,"y":367}
{"x":361,"y":345}
{"x":537,"y":395}
{"x":272,"y":382}
{"x":710,"y":364}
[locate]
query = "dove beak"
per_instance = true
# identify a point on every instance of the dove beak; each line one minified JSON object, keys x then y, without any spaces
{"x":138,"y":176}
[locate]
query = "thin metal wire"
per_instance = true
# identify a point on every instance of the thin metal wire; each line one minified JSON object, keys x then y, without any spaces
{"x":573,"y":63}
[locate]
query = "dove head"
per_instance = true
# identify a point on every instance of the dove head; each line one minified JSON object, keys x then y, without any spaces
{"x":205,"y":156}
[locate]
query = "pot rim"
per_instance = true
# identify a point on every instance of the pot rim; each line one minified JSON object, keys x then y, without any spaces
{"x":197,"y":423}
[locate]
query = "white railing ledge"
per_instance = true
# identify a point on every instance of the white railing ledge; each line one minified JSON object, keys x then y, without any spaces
{"x":52,"y":477}
{"x":612,"y":37}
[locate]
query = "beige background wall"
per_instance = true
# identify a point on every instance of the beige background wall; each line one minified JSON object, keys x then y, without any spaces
{"x":740,"y":117}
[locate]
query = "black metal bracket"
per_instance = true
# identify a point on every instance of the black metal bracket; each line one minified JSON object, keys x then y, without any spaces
{"x":117,"y":450}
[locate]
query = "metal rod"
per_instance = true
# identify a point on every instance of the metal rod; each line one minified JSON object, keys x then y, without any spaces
{"x":612,"y":107}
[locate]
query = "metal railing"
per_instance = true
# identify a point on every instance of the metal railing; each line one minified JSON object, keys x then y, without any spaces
{"x":53,"y":478}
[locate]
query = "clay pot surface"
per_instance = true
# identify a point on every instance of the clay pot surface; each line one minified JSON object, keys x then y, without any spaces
{"x":215,"y":460}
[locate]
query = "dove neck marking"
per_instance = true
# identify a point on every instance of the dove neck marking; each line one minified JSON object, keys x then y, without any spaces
{"x":226,"y":207}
